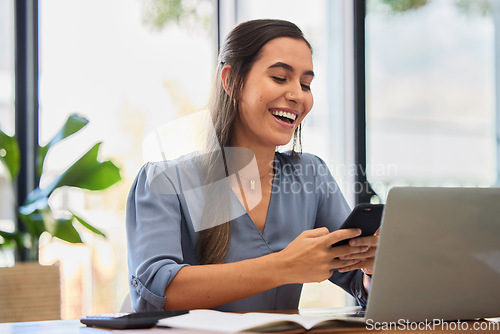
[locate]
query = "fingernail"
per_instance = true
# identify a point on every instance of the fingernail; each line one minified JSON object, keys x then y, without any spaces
{"x":352,"y":242}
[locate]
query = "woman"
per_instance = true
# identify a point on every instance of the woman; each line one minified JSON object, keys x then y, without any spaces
{"x":184,"y":257}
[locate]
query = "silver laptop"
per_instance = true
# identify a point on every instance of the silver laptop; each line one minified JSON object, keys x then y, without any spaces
{"x":438,"y":256}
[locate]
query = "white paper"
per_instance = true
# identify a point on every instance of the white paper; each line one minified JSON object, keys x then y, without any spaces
{"x":233,"y":322}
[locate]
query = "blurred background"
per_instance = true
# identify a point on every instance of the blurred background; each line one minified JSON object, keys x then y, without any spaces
{"x":429,"y":111}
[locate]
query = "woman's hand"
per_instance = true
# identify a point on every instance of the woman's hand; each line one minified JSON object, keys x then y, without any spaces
{"x":366,"y":259}
{"x":311,"y":257}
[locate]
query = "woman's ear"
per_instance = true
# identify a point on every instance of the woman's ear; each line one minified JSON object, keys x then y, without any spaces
{"x":225,"y":75}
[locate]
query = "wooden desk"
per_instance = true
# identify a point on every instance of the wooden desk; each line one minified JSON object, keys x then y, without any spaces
{"x":75,"y":327}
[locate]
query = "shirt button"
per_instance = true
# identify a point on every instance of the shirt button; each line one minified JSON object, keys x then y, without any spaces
{"x":134,"y":283}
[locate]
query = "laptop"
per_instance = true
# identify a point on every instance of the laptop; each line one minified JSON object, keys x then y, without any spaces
{"x":438,"y":256}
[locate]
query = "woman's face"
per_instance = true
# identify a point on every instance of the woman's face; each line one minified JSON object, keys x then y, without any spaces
{"x":276,"y":95}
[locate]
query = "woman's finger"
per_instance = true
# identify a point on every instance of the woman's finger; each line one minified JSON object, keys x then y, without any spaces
{"x":342,"y":234}
{"x":366,"y":264}
{"x":370,"y":252}
{"x":370,"y":241}
{"x":337,"y":263}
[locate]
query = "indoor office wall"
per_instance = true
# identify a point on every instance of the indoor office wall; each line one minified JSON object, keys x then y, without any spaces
{"x":432,"y":94}
{"x":128,"y":66}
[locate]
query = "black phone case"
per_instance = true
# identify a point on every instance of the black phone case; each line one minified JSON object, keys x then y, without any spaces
{"x":365,"y":216}
{"x":130,"y":320}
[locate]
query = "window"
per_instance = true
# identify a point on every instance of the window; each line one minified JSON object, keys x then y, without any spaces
{"x":127,"y":70}
{"x":7,"y":119}
{"x":431,"y":117}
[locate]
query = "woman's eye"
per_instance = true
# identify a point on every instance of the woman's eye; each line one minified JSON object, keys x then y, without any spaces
{"x":279,"y":79}
{"x":305,"y":87}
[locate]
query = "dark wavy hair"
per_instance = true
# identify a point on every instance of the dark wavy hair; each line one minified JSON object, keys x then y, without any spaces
{"x":241,"y":48}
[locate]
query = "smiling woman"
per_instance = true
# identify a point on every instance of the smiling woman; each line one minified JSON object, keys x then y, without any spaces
{"x":194,"y":240}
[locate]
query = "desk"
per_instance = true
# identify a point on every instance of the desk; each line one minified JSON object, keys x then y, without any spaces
{"x":75,"y":327}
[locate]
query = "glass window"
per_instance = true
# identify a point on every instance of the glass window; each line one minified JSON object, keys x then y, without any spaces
{"x":7,"y":116}
{"x":128,"y":66}
{"x":431,"y":93}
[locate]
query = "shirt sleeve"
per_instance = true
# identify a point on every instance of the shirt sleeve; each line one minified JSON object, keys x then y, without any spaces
{"x":332,"y":211}
{"x":153,"y":224}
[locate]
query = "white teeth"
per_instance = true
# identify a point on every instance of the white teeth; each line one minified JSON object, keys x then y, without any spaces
{"x":281,"y":113}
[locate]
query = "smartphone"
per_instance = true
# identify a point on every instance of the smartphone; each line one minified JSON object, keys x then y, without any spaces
{"x":129,"y":320}
{"x":365,"y":216}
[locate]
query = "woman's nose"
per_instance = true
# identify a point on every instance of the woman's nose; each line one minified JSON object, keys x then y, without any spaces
{"x":295,"y":94}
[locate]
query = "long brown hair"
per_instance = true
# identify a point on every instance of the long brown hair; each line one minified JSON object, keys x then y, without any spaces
{"x":241,"y":49}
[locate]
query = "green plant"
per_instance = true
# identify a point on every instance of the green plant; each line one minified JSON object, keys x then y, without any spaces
{"x":188,"y":13}
{"x":35,"y":213}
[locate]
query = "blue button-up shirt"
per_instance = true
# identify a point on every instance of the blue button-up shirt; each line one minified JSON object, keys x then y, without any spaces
{"x":162,"y":231}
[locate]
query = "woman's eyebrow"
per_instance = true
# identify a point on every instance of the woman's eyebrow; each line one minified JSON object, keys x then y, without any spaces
{"x":289,"y":68}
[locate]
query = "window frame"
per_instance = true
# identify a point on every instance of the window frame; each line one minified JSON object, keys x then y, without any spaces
{"x":26,"y":95}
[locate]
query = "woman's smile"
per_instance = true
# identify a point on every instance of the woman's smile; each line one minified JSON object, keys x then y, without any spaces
{"x":285,"y":116}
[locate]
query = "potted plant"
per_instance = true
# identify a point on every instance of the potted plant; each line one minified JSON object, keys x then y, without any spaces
{"x":36,"y":216}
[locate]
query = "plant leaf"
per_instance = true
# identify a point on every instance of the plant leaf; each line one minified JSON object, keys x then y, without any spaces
{"x":39,"y":218}
{"x":9,"y":154}
{"x":34,"y":220}
{"x":89,"y":173}
{"x":73,"y":124}
{"x":88,"y":226}
{"x":40,"y":204}
{"x":10,"y":238}
{"x":86,"y":173}
{"x":66,"y":231}
{"x":401,"y":6}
